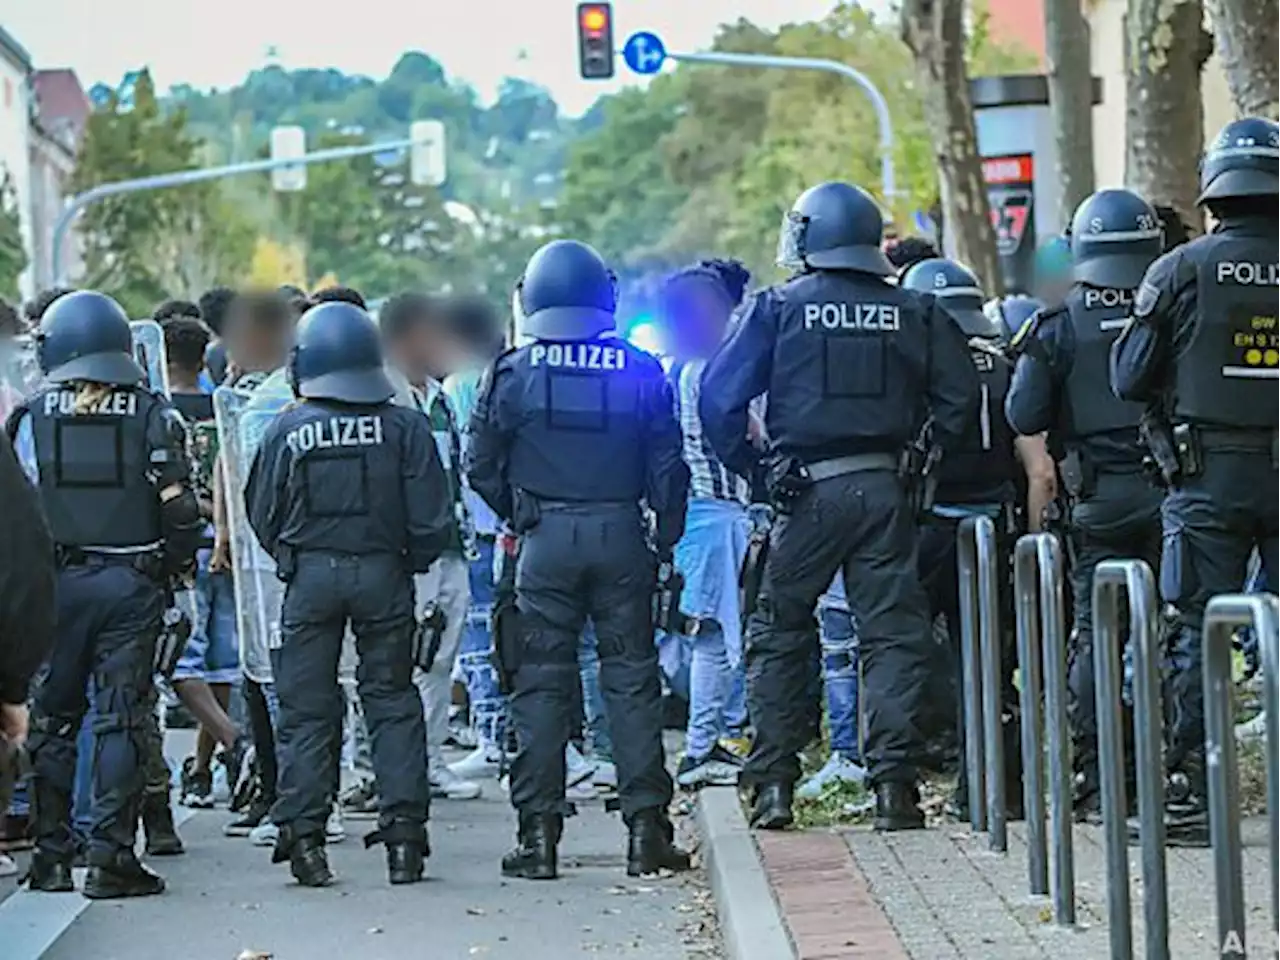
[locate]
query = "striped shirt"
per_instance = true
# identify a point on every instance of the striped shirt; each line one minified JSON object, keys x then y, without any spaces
{"x":708,"y":477}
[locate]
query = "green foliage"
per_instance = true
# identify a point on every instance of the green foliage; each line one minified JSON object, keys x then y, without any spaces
{"x":13,"y":254}
{"x":143,"y":247}
{"x":736,"y":145}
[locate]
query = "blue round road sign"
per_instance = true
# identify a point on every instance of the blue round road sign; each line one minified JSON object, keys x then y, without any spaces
{"x":644,"y":53}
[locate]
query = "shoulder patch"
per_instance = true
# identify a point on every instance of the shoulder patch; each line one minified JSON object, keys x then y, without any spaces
{"x":1144,"y":302}
{"x":1031,"y":327}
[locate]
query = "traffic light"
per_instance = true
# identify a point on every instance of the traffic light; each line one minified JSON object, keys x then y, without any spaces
{"x":595,"y":41}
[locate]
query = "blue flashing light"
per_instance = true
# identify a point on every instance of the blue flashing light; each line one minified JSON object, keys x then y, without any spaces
{"x":644,"y":334}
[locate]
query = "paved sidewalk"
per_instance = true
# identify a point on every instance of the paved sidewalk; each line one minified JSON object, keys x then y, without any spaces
{"x":939,"y":894}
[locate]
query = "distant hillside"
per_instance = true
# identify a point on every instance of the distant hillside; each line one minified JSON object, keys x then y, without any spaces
{"x":512,"y":150}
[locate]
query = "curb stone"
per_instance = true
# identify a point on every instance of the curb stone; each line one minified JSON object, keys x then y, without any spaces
{"x":750,"y":918}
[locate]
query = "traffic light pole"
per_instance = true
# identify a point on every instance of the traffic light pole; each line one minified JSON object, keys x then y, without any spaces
{"x":888,"y":181}
{"x":182,"y":178}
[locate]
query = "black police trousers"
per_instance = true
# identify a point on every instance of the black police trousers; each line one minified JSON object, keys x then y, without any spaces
{"x":1118,"y":520}
{"x":1212,"y":522}
{"x":939,"y":575}
{"x":109,"y":618}
{"x":586,"y":560}
{"x":860,"y":524}
{"x":374,"y":594}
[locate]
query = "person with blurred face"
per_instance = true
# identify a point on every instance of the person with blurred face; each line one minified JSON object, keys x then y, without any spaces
{"x":697,"y":305}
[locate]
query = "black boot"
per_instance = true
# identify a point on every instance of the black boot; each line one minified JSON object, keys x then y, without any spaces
{"x":535,"y":857}
{"x":157,"y":824}
{"x":772,"y":808}
{"x":898,"y":807}
{"x":120,"y":874}
{"x":651,"y":845}
{"x":1186,"y":812}
{"x":308,"y":861}
{"x":404,"y":862}
{"x":49,"y":873}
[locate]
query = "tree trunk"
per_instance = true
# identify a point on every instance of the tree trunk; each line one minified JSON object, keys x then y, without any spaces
{"x":1166,"y":48}
{"x":1071,"y":101}
{"x":1246,"y":34}
{"x":934,"y":32}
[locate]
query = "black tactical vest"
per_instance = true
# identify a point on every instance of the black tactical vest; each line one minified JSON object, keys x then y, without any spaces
{"x":1227,"y":375}
{"x":849,"y":366}
{"x":94,"y":466}
{"x":583,"y":410}
{"x":983,"y":467}
{"x":1097,"y":317}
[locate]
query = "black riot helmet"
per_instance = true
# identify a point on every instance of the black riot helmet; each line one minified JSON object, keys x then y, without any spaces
{"x":567,"y":292}
{"x":86,"y":336}
{"x":337,"y":355}
{"x":834,"y":226}
{"x":1115,"y":236}
{"x":957,"y":290}
{"x":1011,"y":312}
{"x":1242,"y":161}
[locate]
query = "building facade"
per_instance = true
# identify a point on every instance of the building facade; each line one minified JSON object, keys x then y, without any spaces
{"x":15,"y":140}
{"x":61,"y":111}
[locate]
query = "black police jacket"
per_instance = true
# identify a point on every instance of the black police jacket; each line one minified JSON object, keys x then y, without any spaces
{"x":587,"y":421}
{"x":26,"y":582}
{"x":851,"y":364}
{"x":1061,"y":383}
{"x":983,"y":467}
{"x":104,"y":454}
{"x":1204,"y":331}
{"x":350,"y":479}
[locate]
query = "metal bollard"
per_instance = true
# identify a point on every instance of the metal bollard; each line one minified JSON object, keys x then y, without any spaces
{"x":979,"y":576}
{"x":1222,"y":617}
{"x":1042,"y":637}
{"x":1132,"y":579}
{"x":971,"y":675}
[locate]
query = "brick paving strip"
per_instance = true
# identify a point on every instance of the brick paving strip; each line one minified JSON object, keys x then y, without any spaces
{"x":826,"y":902}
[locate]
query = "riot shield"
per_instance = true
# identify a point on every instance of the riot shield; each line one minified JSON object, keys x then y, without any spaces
{"x":20,"y":374}
{"x":148,"y":350}
{"x":242,"y":419}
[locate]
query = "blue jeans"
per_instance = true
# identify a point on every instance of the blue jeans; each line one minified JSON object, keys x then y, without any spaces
{"x":213,"y":651}
{"x":717,"y":693}
{"x":597,"y":722}
{"x":840,"y":677}
{"x":475,"y":653}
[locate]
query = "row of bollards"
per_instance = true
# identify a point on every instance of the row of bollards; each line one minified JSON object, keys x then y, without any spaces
{"x":1041,"y":628}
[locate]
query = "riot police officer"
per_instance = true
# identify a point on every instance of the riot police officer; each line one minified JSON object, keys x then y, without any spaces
{"x":348,"y":495}
{"x":848,"y":361}
{"x":571,"y":432}
{"x":1060,"y":384}
{"x":109,"y":460}
{"x":977,"y":478}
{"x":1201,"y":353}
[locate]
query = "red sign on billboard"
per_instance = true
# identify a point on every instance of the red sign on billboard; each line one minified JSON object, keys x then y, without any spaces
{"x":1010,"y":190}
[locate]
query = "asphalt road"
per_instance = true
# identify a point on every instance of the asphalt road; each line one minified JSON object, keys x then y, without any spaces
{"x":226,"y":901}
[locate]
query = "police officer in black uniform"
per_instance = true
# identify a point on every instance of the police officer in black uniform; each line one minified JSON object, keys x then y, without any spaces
{"x":348,"y":495}
{"x":849,"y":362}
{"x":1201,"y":352}
{"x":1061,"y":385}
{"x":977,"y":478}
{"x":110,"y":462}
{"x":571,"y":432}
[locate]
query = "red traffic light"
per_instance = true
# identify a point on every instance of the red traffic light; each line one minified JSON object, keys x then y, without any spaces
{"x":595,"y":41}
{"x":594,"y":18}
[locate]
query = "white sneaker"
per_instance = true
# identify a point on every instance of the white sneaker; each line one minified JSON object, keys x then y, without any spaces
{"x":483,"y":761}
{"x":605,"y":776}
{"x":264,"y":834}
{"x":334,"y":830}
{"x":447,"y":785}
{"x":7,"y":866}
{"x":576,"y":767}
{"x":838,"y":769}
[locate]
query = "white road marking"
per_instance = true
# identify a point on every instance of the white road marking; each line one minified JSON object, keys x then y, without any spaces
{"x":31,"y":922}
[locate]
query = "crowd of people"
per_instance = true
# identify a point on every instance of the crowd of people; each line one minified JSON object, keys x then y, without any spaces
{"x":539,"y":543}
